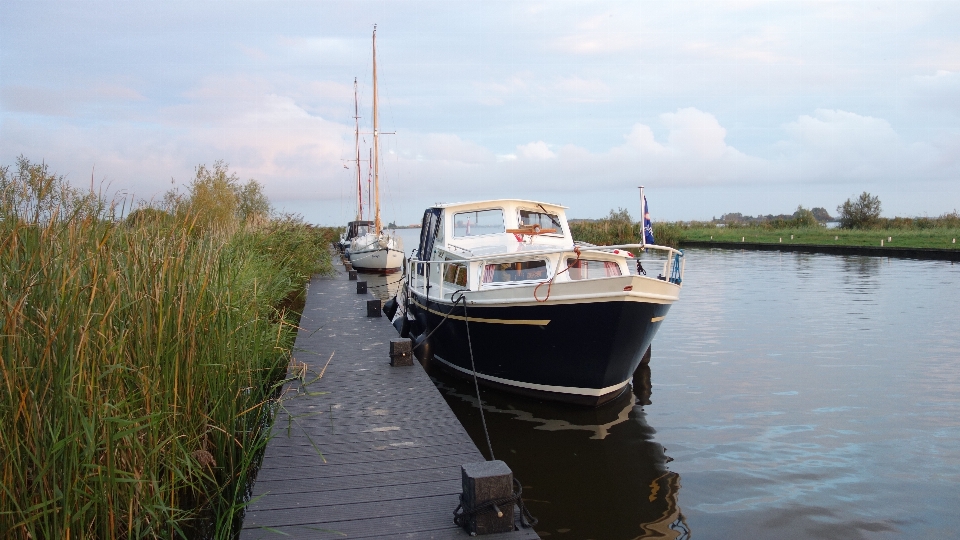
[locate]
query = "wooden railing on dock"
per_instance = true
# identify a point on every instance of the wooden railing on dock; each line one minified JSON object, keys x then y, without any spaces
{"x":367,"y":450}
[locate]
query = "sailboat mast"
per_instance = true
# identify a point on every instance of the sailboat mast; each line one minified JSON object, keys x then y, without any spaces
{"x":369,"y":178}
{"x":376,"y":140}
{"x":356,"y":140}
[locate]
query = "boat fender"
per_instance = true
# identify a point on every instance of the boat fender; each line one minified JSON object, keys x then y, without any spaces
{"x":402,"y":324}
{"x":422,"y":348}
{"x":390,"y":307}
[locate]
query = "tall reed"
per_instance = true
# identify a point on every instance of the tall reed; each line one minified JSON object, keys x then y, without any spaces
{"x":137,"y":361}
{"x":612,"y":232}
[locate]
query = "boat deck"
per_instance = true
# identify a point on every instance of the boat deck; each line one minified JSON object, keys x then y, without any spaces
{"x":368,"y":450}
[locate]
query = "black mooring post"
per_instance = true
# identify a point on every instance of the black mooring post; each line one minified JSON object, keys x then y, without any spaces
{"x":374,"y":308}
{"x":352,"y":275}
{"x":482,"y":483}
{"x":361,"y":287}
{"x":401,"y":353}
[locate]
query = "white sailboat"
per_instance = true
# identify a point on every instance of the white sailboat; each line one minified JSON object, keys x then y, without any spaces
{"x":371,"y":248}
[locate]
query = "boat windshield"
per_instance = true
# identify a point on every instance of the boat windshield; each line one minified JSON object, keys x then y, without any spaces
{"x":357,"y":228}
{"x":543,"y":219}
{"x":478,"y":222}
{"x":514,"y":271}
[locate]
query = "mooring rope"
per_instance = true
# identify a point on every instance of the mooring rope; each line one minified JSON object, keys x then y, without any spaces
{"x":493,"y":505}
{"x":473,"y":369}
{"x":526,"y":518}
{"x":387,"y":284}
{"x":445,"y":317}
{"x":549,"y":282}
{"x":462,"y":518}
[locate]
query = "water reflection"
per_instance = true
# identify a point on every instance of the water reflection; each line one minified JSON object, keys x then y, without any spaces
{"x":382,"y":287}
{"x":586,"y":473}
{"x":864,"y":267}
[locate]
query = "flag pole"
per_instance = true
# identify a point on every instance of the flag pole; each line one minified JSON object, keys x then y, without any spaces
{"x":643,"y":219}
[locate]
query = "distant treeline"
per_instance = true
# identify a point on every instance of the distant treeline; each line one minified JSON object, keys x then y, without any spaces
{"x":860,"y":214}
{"x":819,"y":214}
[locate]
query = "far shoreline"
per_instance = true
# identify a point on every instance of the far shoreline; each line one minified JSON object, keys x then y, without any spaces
{"x":873,"y":251}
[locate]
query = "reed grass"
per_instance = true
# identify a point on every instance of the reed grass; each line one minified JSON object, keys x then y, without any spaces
{"x":138,"y":361}
{"x":612,"y":232}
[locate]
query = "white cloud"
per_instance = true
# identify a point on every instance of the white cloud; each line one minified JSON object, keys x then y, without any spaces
{"x":535,"y":150}
{"x":696,"y":134}
{"x":497,"y":93}
{"x":940,"y":91}
{"x":837,"y":146}
{"x":566,"y":84}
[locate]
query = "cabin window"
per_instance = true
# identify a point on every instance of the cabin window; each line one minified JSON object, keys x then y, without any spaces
{"x":455,"y":273}
{"x":545,"y":220}
{"x":514,"y":271}
{"x":587,"y":269}
{"x":478,"y":223}
{"x":439,"y":235}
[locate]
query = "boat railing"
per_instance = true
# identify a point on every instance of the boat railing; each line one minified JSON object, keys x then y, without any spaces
{"x":430,"y":278}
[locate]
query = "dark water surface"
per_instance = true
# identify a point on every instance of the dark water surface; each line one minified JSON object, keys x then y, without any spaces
{"x":789,"y":396}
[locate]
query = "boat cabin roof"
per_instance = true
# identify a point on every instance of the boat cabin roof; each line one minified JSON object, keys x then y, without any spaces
{"x":491,"y":227}
{"x":498,"y":202}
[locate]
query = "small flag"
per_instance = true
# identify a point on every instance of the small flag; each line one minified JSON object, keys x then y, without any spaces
{"x":647,"y":224}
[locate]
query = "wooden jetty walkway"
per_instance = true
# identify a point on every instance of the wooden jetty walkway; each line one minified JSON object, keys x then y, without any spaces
{"x":391,"y":447}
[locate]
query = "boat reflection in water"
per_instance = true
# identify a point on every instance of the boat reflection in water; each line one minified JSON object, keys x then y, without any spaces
{"x":382,"y":286}
{"x":586,"y":473}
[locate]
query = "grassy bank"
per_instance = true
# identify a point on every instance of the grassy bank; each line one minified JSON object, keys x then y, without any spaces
{"x":916,"y":238}
{"x":137,"y":357}
{"x":938,"y":233}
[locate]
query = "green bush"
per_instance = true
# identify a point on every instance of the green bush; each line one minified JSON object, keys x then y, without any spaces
{"x":863,"y":213}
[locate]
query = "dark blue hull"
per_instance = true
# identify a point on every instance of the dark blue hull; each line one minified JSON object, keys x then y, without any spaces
{"x":578,"y":352}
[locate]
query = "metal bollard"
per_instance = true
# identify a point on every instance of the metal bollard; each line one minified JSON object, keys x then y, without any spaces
{"x":373,"y":308}
{"x":352,"y":275}
{"x":401,"y":352}
{"x":361,"y":287}
{"x":482,"y":483}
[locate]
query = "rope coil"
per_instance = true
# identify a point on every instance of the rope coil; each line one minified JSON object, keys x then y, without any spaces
{"x":462,"y":515}
{"x":549,"y":282}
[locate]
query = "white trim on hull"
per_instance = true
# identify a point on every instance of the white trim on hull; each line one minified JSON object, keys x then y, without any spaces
{"x":589,"y":392}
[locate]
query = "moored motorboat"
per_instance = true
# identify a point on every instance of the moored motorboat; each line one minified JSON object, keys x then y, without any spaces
{"x":501,"y":289}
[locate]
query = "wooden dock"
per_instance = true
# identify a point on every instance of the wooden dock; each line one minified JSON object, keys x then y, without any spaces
{"x":366,"y":451}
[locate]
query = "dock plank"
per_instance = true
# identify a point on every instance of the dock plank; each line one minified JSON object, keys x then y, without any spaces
{"x":366,"y":451}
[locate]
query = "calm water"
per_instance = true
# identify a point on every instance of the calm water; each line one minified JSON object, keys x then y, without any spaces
{"x":789,"y":396}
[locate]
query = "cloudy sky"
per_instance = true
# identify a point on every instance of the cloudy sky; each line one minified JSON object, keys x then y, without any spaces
{"x":715,"y":106}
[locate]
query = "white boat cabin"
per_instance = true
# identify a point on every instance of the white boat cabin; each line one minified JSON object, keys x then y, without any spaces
{"x":506,"y":243}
